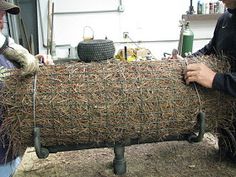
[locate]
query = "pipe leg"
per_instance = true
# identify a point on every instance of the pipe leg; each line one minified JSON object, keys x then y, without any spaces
{"x":201,"y":121}
{"x":42,"y":153}
{"x":119,"y":163}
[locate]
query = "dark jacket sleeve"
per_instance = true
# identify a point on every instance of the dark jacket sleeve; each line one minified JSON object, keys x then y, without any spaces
{"x":209,"y":48}
{"x":225,"y":82}
{"x":222,"y":42}
{"x":206,"y":50}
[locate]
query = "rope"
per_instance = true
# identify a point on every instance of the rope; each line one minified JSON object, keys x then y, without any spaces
{"x":34,"y":98}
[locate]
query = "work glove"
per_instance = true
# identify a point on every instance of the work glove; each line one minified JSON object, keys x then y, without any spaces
{"x":44,"y":59}
{"x":175,"y":55}
{"x":28,"y":62}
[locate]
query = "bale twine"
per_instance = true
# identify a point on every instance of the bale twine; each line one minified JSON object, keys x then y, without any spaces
{"x":109,"y":102}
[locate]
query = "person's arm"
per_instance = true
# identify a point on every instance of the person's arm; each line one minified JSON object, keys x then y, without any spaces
{"x":45,"y":59}
{"x":225,"y":82}
{"x":201,"y":74}
{"x":206,"y":50}
{"x":209,"y":48}
{"x":28,"y":62}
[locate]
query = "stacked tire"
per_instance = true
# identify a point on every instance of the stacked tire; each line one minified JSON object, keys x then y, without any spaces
{"x":96,"y":50}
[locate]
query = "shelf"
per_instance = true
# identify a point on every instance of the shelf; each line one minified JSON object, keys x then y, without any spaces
{"x":200,"y":17}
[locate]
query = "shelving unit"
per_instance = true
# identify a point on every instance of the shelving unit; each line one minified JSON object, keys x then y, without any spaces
{"x":195,"y":17}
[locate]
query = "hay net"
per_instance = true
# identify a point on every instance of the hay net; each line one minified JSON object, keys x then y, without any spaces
{"x":109,"y":102}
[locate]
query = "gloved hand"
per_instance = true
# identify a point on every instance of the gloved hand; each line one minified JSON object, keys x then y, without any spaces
{"x":175,"y":55}
{"x":28,"y":62}
{"x":45,"y":59}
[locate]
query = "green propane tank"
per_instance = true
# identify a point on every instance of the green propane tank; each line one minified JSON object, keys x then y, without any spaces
{"x":186,"y":39}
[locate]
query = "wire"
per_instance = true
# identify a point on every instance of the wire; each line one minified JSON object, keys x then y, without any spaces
{"x":195,"y":87}
{"x":34,"y":98}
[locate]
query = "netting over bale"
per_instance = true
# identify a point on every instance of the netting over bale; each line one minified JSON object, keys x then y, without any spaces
{"x":109,"y":102}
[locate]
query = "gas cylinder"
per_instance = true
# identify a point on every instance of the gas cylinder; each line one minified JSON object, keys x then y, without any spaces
{"x":186,"y":39}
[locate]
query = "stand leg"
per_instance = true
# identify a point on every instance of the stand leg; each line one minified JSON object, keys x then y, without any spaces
{"x":202,"y":127}
{"x":119,"y":162}
{"x":42,"y":153}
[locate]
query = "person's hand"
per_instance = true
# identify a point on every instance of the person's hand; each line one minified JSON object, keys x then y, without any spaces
{"x":201,"y":74}
{"x":175,"y":55}
{"x":27,"y":62}
{"x":45,"y":59}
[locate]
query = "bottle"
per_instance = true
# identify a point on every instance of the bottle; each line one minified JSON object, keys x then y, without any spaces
{"x":206,"y":8}
{"x":199,"y":7}
{"x":216,"y":7}
{"x":186,"y":40}
{"x":211,"y":7}
{"x":203,"y":8}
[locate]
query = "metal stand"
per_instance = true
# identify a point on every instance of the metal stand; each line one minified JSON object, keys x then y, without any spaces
{"x":119,"y":162}
{"x":42,"y":153}
{"x":193,"y":138}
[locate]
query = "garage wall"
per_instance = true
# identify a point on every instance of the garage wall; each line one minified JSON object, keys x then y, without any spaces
{"x":154,"y":23}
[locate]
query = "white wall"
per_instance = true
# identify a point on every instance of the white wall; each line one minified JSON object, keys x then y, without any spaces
{"x":145,"y":20}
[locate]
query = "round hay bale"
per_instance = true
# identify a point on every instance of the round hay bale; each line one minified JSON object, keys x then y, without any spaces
{"x":84,"y":103}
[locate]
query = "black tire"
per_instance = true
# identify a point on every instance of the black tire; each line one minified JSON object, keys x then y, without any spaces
{"x":96,"y":50}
